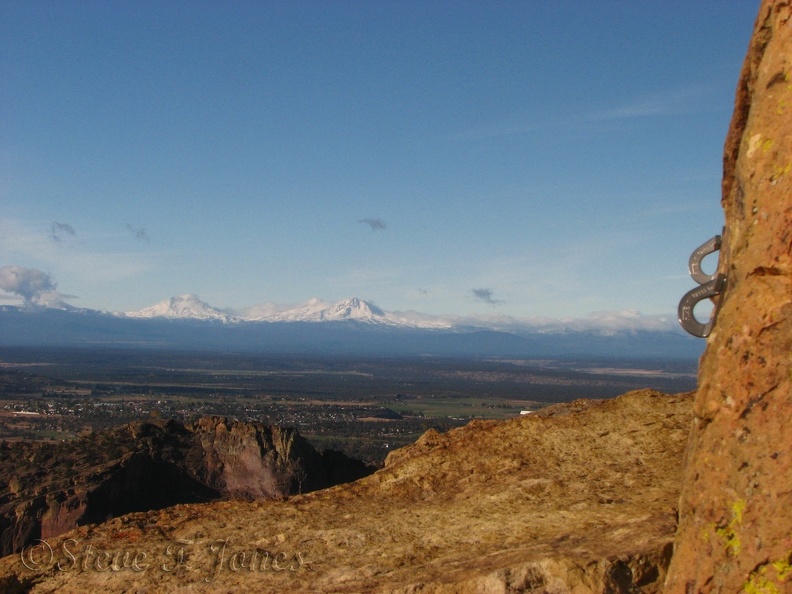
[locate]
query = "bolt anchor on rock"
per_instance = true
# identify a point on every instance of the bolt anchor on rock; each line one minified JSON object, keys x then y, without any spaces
{"x":711,"y":286}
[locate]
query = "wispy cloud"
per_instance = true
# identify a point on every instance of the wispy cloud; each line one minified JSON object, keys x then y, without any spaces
{"x":661,"y":104}
{"x":58,"y":231}
{"x":375,"y":224}
{"x":641,"y":109}
{"x":89,"y":262}
{"x":140,"y":233}
{"x":485,"y":296}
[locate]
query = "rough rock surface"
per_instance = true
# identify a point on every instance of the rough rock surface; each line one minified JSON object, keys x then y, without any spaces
{"x":735,"y":531}
{"x":579,"y":498}
{"x":48,"y":489}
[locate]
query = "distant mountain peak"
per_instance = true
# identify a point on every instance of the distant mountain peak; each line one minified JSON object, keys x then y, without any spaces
{"x":354,"y":309}
{"x":317,"y":310}
{"x":183,"y":307}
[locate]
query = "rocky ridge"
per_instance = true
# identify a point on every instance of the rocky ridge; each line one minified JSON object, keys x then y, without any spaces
{"x":51,"y":488}
{"x":578,"y":497}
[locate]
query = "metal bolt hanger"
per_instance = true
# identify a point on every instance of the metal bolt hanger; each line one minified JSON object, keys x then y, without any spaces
{"x":711,"y":285}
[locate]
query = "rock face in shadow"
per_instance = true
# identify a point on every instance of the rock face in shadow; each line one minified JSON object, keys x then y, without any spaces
{"x":578,"y":498}
{"x":735,"y":530}
{"x":51,"y":488}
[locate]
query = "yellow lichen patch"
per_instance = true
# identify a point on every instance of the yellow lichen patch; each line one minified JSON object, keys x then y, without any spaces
{"x":779,"y":172}
{"x":783,"y":568}
{"x":769,"y":578}
{"x":767,"y":145}
{"x":759,"y":584}
{"x":729,"y":532}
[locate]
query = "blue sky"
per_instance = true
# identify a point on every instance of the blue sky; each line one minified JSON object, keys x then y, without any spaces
{"x":525,"y":158}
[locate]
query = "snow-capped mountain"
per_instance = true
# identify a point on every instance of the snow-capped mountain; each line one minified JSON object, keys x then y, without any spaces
{"x":183,"y":307}
{"x":351,"y":309}
{"x":317,"y":310}
{"x":310,"y":311}
{"x":354,"y":309}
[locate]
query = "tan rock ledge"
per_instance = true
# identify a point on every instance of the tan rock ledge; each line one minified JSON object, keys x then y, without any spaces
{"x":576,"y":498}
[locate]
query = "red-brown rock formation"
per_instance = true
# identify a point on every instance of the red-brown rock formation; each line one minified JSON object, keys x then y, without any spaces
{"x":735,"y":532}
{"x":51,"y":488}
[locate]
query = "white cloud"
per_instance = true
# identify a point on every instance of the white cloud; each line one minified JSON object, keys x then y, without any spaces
{"x":28,"y":283}
{"x":33,"y":286}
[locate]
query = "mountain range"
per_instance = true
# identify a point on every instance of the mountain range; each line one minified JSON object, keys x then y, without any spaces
{"x":189,"y":306}
{"x":348,"y":327}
